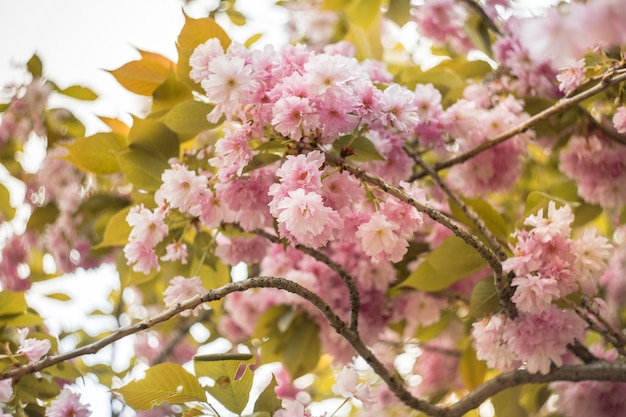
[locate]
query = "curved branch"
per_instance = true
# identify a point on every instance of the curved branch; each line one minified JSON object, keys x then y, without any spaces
{"x":607,"y":81}
{"x":483,"y":250}
{"x":353,"y":290}
{"x":597,"y":371}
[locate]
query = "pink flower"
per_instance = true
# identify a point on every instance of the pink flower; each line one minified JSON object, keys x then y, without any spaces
{"x":305,"y":217}
{"x":556,"y":223}
{"x":176,"y":251}
{"x":302,"y":171}
{"x":491,"y":345}
{"x":571,"y":76}
{"x":534,"y":293}
{"x":32,"y":349}
{"x":379,"y":239}
{"x":143,"y":258}
{"x":229,"y":84}
{"x":6,"y":390}
{"x":347,"y":386}
{"x":294,"y":117}
{"x":201,"y":56}
{"x":619,"y":120}
{"x":181,"y":189}
{"x":592,"y":255}
{"x":181,"y":289}
{"x":292,"y":409}
{"x":399,"y":108}
{"x":67,"y":404}
{"x":148,"y":227}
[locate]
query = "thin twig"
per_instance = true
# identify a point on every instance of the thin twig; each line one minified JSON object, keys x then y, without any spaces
{"x":179,"y":334}
{"x":557,"y":107}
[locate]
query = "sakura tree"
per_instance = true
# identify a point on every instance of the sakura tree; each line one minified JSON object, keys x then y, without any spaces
{"x":337,"y":225}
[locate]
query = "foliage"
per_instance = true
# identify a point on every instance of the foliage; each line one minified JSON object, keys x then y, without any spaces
{"x":459,"y":224}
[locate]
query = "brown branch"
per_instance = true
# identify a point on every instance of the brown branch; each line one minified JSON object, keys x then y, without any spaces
{"x":502,"y":283}
{"x":353,"y":290}
{"x":564,"y":103}
{"x":597,"y":371}
{"x":483,"y":250}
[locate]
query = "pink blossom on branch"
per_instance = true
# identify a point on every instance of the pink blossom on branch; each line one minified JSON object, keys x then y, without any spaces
{"x":32,"y":349}
{"x":181,"y":289}
{"x":67,"y":404}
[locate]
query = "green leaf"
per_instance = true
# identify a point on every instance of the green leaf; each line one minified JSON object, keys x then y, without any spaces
{"x":364,"y":13}
{"x":168,"y":94}
{"x":492,"y":219}
{"x":79,"y":92}
{"x":289,"y":337}
{"x":163,"y":382}
{"x":34,"y":66}
{"x":144,"y":75}
{"x":506,"y":403}
{"x":153,"y":136}
{"x":61,"y":124}
{"x":236,"y":17}
{"x":268,"y":401}
{"x":232,"y":378}
{"x":472,"y":370}
{"x":399,"y":11}
{"x":194,"y":33}
{"x":7,"y":211}
{"x":12,"y":303}
{"x":359,"y":149}
{"x":484,"y":299}
{"x":448,"y":263}
{"x":42,"y":216}
{"x":59,"y":296}
{"x":261,"y":160}
{"x":142,"y":168}
{"x":188,"y":118}
{"x":97,"y":153}
{"x":117,"y":230}
{"x":252,"y":39}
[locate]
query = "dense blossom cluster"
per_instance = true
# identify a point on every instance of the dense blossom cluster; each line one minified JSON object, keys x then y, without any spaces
{"x":312,"y":172}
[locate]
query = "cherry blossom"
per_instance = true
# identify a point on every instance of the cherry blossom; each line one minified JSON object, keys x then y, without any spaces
{"x":32,"y":349}
{"x":67,"y":404}
{"x":181,"y":289}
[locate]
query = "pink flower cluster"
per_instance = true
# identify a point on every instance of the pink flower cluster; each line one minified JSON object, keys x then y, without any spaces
{"x":148,"y":229}
{"x":67,"y":404}
{"x":347,"y":385}
{"x":599,"y":168}
{"x":563,"y":42}
{"x":549,"y":264}
{"x":531,"y":340}
{"x":592,"y":398}
{"x":25,"y":112}
{"x":443,"y":21}
{"x":471,"y":121}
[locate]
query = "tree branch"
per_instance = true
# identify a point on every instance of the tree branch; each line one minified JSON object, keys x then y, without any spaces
{"x":610,"y":79}
{"x":502,"y":283}
{"x":597,"y":371}
{"x":353,"y":290}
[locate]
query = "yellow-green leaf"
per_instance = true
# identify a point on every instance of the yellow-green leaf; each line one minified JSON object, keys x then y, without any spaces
{"x":231,"y":376}
{"x":97,"y":153}
{"x":34,"y":66}
{"x":188,"y":118}
{"x":142,"y":168}
{"x":399,"y":11}
{"x":117,"y":230}
{"x":168,"y":94}
{"x":79,"y":92}
{"x":252,"y":39}
{"x":236,"y":17}
{"x":7,"y":211}
{"x":164,"y":382}
{"x":116,"y":125}
{"x":153,"y":136}
{"x":364,"y":13}
{"x":144,"y":75}
{"x":268,"y":401}
{"x":472,"y":370}
{"x":12,"y":303}
{"x":448,"y":263}
{"x":59,"y":296}
{"x":484,"y":299}
{"x":195,"y":32}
